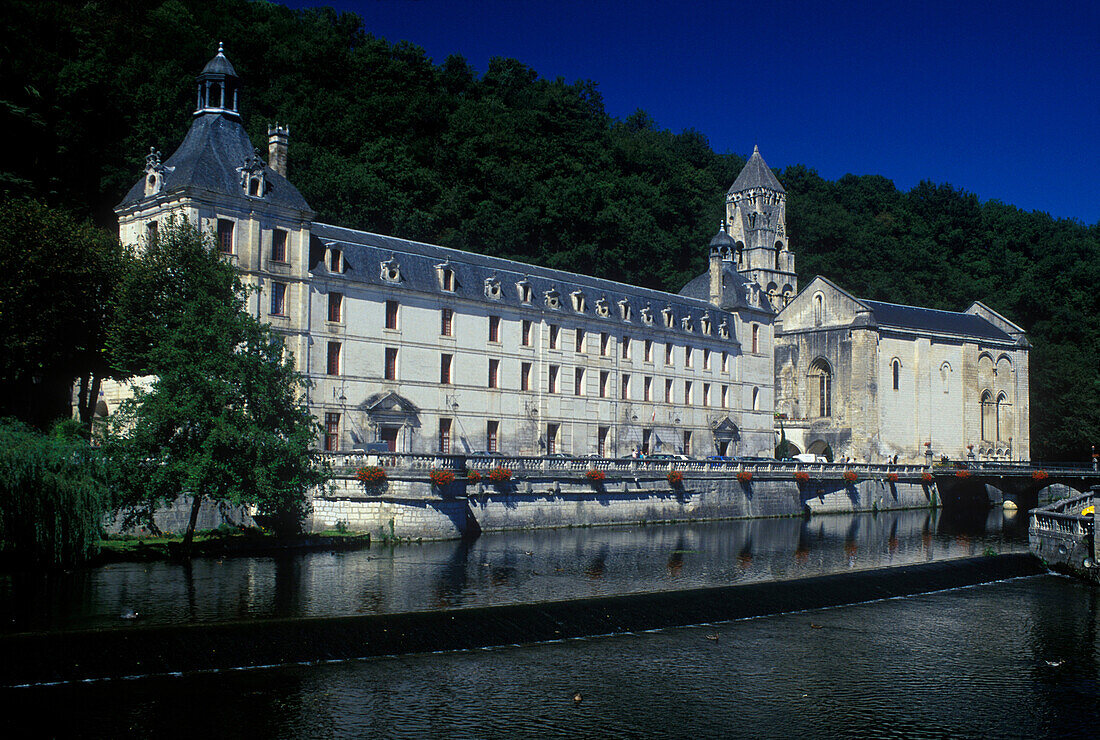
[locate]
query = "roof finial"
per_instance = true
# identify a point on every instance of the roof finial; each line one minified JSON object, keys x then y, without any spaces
{"x":221,"y":49}
{"x":755,"y":149}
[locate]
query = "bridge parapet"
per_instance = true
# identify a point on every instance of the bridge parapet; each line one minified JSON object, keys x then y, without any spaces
{"x":1063,"y":535}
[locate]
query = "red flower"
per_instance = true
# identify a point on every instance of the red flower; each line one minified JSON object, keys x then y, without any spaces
{"x":850,"y":476}
{"x":370,"y":476}
{"x":595,"y":476}
{"x":962,"y":473}
{"x":473,"y":476}
{"x":744,"y":476}
{"x":675,"y":477}
{"x":441,"y":477}
{"x":801,"y":476}
{"x":892,"y":477}
{"x":926,"y":477}
{"x":500,"y":475}
{"x":1040,"y":475}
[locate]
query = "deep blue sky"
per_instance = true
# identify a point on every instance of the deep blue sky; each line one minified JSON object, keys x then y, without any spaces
{"x":999,"y":98}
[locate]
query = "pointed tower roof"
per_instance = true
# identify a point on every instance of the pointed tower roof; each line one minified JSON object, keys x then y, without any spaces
{"x":756,"y":174}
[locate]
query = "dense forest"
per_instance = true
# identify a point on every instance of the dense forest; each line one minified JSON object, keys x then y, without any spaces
{"x":508,"y":163}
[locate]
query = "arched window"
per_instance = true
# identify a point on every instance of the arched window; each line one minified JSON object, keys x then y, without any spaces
{"x":897,"y":374}
{"x":820,"y":385}
{"x":740,"y":254}
{"x":1004,"y":418}
{"x":989,"y":421}
{"x":819,"y":309}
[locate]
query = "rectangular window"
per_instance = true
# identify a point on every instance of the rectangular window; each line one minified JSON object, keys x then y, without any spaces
{"x":333,"y":358}
{"x":706,"y":394}
{"x":605,"y":342}
{"x":552,"y":442}
{"x":688,"y":352}
{"x":494,"y":328}
{"x":278,"y":245}
{"x":578,"y":381}
{"x":525,"y":376}
{"x":494,"y":373}
{"x":687,"y":392}
{"x":669,"y":354}
{"x":492,"y":432}
{"x":626,"y":348}
{"x":445,"y":436}
{"x":445,"y":369}
{"x":449,"y":280}
{"x":605,"y":379}
{"x":687,"y":442}
{"x":332,"y":432}
{"x":446,"y":322}
{"x":647,"y":388}
{"x":278,"y":299}
{"x":553,"y":336}
{"x":580,"y":341}
{"x":755,"y":338}
{"x":391,"y":314}
{"x":649,"y":350}
{"x":724,"y":396}
{"x":225,"y":236}
{"x":725,"y":362}
{"x":647,"y":435}
{"x":335,"y":260}
{"x":335,"y":306}
{"x":552,"y":384}
{"x":391,"y":363}
{"x":625,"y":390}
{"x":151,"y":231}
{"x":668,"y":390}
{"x":601,"y":440}
{"x":525,"y":333}
{"x":706,"y":359}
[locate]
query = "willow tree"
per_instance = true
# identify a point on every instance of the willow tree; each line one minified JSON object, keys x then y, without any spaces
{"x":223,"y":416}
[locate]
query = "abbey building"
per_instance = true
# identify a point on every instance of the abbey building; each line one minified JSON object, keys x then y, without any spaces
{"x":429,"y":349}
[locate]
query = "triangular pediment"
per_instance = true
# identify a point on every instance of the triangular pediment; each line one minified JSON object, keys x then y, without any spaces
{"x":388,"y":403}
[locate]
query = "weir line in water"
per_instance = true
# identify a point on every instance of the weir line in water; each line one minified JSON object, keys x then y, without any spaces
{"x":49,"y":657}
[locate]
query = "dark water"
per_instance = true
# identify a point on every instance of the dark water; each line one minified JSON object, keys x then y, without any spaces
{"x":498,"y":568}
{"x":970,"y":662}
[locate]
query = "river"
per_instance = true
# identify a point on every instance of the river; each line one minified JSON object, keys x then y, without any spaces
{"x":1010,"y":659}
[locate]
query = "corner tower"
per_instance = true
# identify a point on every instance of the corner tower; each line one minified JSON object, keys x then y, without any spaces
{"x":756,"y":210}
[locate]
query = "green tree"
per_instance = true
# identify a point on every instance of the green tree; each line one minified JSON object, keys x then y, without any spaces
{"x":52,"y":495}
{"x":57,"y":276}
{"x":223,"y":416}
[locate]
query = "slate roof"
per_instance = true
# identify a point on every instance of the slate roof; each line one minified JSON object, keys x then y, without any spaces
{"x":933,"y":320}
{"x":735,"y":290}
{"x":219,"y":65}
{"x":756,"y":174}
{"x":364,"y":253}
{"x":215,"y":146}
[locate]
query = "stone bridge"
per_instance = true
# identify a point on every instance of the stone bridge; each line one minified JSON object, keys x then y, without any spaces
{"x":1025,"y":484}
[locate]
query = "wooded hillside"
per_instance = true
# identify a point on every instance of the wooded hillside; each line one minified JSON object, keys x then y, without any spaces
{"x":511,"y":164}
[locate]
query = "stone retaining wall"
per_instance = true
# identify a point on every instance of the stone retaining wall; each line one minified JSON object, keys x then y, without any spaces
{"x":414,"y":509}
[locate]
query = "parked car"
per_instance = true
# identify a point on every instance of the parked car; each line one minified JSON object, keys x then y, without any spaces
{"x":720,"y":458}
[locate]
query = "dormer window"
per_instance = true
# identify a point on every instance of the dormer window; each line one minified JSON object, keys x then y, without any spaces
{"x":602,"y":308}
{"x":335,"y":260}
{"x":446,"y":275}
{"x":492,"y":288}
{"x":154,"y":172}
{"x":523,"y":287}
{"x":668,"y":315}
{"x":390,"y":270}
{"x":647,"y":315}
{"x":254,"y":187}
{"x":687,"y":324}
{"x":578,"y":301}
{"x":252,"y":177}
{"x":704,"y":323}
{"x":624,"y":310}
{"x":553,"y":299}
{"x":724,"y":330}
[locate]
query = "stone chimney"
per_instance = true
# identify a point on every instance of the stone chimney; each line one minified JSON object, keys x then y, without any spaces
{"x":721,"y":250}
{"x":278,"y":139}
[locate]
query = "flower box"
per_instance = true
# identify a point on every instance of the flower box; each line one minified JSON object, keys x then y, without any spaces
{"x":473,"y":476}
{"x":801,"y":476}
{"x":745,"y":476}
{"x":595,"y":476}
{"x":962,"y":473}
{"x":441,"y":477}
{"x":500,"y":475}
{"x":1040,"y":475}
{"x":370,"y":476}
{"x":675,"y":477}
{"x":926,"y":477}
{"x":892,"y":477}
{"x":851,"y":476}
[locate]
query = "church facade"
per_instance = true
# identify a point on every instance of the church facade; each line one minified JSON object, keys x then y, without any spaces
{"x":430,"y":349}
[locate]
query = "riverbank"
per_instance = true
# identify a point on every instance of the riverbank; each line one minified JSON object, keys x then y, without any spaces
{"x":246,"y":543}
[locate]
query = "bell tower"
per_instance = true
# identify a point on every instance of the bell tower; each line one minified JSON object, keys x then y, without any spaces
{"x":219,"y":87}
{"x":756,"y":210}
